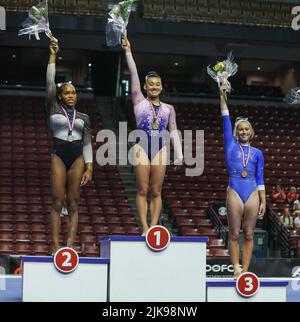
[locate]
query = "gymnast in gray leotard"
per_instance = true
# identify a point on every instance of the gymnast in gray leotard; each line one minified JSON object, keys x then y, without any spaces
{"x":72,"y":157}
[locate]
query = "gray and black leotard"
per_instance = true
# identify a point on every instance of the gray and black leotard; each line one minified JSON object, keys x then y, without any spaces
{"x":59,"y":127}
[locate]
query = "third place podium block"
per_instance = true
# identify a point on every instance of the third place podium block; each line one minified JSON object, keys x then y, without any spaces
{"x":248,"y":288}
{"x":138,"y":273}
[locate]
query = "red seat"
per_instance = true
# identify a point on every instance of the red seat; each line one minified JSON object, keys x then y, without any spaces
{"x":132,"y":230}
{"x":116,"y":230}
{"x":95,"y":210}
{"x":110,"y":210}
{"x":38,"y":228}
{"x":184,"y":221}
{"x":127,"y":219}
{"x":108,"y":202}
{"x":98,"y":219}
{"x":39,"y":237}
{"x":22,"y":237}
{"x":219,"y":252}
{"x":6,"y":218}
{"x":125,"y":210}
{"x":6,"y":237}
{"x":91,"y":250}
{"x":189,"y":231}
{"x":6,"y":208}
{"x":101,"y":229}
{"x":113,"y":220}
{"x":6,"y":227}
{"x":6,"y":248}
{"x":200,"y":222}
{"x":23,"y":249}
{"x":85,"y":228}
{"x":21,"y":218}
{"x":121,"y":202}
{"x":36,"y":218}
{"x":84,"y":219}
{"x":41,"y":249}
{"x":88,"y":238}
{"x":216,"y":243}
{"x":35,"y":209}
{"x":22,"y":227}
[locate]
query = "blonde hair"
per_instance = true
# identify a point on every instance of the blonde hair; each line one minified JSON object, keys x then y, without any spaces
{"x":236,"y":124}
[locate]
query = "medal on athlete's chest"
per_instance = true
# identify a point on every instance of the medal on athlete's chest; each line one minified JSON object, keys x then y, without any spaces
{"x":244,"y":174}
{"x":245,"y":161}
{"x":71,"y":122}
{"x":155,"y":124}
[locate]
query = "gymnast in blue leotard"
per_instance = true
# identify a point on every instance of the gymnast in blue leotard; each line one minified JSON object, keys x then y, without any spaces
{"x":246,"y":197}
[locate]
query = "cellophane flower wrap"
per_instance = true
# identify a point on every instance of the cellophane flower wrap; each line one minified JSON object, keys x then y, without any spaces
{"x":222,"y":71}
{"x":118,"y":21}
{"x":37,"y":21}
{"x":293,"y":97}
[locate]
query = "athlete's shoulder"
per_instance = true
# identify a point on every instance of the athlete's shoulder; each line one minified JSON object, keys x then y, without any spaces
{"x":169,"y":106}
{"x":84,"y":117}
{"x":258,"y":151}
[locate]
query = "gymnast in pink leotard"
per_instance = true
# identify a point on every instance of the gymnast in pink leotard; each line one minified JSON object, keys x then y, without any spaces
{"x":154,"y":118}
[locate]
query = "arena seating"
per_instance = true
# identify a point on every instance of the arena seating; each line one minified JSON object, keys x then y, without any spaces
{"x":252,"y":13}
{"x":25,"y":196}
{"x":277,"y":135}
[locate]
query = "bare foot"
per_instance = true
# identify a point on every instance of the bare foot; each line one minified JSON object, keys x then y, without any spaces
{"x":237,"y":271}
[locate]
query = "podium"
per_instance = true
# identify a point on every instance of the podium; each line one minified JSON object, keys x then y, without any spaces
{"x":42,"y":282}
{"x":224,"y":290}
{"x":138,"y":274}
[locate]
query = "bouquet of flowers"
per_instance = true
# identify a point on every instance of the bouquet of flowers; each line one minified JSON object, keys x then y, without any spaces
{"x":37,"y":21}
{"x":222,"y":71}
{"x":118,"y":21}
{"x":293,"y":97}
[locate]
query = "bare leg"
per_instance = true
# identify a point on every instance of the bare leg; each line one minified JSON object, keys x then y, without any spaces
{"x":249,"y":222}
{"x":142,"y":171}
{"x":73,"y":193}
{"x":58,"y":186}
{"x":158,"y":170}
{"x":235,"y":208}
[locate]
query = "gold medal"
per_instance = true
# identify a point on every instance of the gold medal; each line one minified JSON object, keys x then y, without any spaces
{"x":244,"y":174}
{"x":155,"y":126}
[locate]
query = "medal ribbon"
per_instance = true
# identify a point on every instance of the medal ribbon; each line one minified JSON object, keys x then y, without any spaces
{"x":245,"y":162}
{"x":155,"y":117}
{"x":71,"y":125}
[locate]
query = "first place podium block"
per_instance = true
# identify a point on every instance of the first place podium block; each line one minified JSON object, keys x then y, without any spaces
{"x":138,"y":274}
{"x":42,"y":282}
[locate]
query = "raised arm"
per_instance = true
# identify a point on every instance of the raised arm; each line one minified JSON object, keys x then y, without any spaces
{"x":136,"y":93}
{"x":228,"y":136}
{"x":50,"y":76}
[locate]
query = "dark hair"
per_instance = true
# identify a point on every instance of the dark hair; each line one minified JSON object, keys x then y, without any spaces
{"x":59,"y":88}
{"x":151,"y":74}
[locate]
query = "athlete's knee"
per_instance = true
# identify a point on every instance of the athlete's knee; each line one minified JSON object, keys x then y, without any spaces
{"x":248,"y":234}
{"x":57,"y":204}
{"x":155,"y":192}
{"x":234,"y":235}
{"x":72,"y":204}
{"x":142,"y":190}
